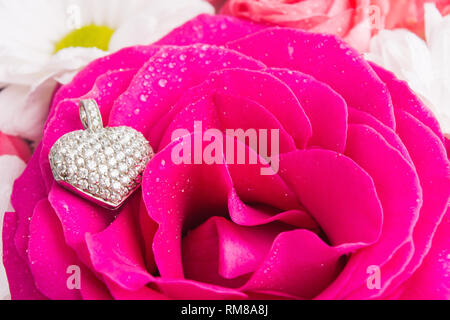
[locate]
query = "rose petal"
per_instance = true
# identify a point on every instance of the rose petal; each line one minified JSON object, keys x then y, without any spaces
{"x":222,"y":253}
{"x":242,"y":249}
{"x":116,"y":251}
{"x":165,"y":77}
{"x":209,"y":29}
{"x":254,"y":187}
{"x":326,"y":58}
{"x":361,"y":117}
{"x":447,"y":146}
{"x":144,"y":293}
{"x":326,"y":110}
{"x":338,"y":193}
{"x":432,"y":280}
{"x":172,"y":193}
{"x":270,"y":295}
{"x":50,"y":258}
{"x":128,"y":58}
{"x":259,"y":87}
{"x":21,"y":282}
{"x":431,"y":162}
{"x":93,"y":288}
{"x":400,"y":194}
{"x":12,"y":169}
{"x":403,"y":98}
{"x":229,"y":114}
{"x":148,"y":229}
{"x":180,"y":289}
{"x":49,"y":255}
{"x":78,"y":217}
{"x":303,"y":274}
{"x":28,"y":189}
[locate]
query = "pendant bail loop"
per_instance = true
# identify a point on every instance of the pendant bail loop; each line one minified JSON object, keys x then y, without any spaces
{"x":90,"y":115}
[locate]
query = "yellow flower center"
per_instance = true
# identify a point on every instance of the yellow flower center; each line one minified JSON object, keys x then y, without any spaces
{"x":90,"y":36}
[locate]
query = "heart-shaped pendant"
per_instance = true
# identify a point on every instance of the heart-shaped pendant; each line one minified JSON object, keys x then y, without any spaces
{"x":104,"y":165}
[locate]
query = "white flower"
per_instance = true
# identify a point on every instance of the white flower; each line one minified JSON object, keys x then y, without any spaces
{"x":44,"y":42}
{"x":425,"y":65}
{"x":10,"y":169}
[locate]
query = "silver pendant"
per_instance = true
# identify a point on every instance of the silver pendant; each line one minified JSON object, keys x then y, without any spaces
{"x":103,"y":165}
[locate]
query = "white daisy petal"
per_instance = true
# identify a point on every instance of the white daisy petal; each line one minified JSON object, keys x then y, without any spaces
{"x":23,"y":111}
{"x":423,"y":64}
{"x":154,"y":20}
{"x":433,"y":20}
{"x":11,"y":167}
{"x":71,"y":59}
{"x":400,"y":51}
{"x":140,"y":30}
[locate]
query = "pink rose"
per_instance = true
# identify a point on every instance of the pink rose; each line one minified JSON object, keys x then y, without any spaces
{"x":356,"y":21}
{"x":409,"y":14}
{"x":362,"y":186}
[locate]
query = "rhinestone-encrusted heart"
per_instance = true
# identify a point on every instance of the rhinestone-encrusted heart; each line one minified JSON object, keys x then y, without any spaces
{"x":104,"y":165}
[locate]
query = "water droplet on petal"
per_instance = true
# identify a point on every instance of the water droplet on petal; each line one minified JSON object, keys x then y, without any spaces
{"x":162,"y":83}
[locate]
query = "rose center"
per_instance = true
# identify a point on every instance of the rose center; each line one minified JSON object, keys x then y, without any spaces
{"x":90,"y":36}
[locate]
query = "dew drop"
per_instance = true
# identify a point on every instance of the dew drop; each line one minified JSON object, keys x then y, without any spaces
{"x":162,"y":83}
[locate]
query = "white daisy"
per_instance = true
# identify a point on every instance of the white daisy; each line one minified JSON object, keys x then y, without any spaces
{"x":425,"y":65}
{"x":44,"y":42}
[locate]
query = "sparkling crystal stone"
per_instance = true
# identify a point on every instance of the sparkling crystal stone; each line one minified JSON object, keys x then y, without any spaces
{"x":79,"y":161}
{"x":137,"y":154}
{"x":94,"y":178}
{"x":89,"y":153}
{"x":116,"y":186}
{"x":125,"y":180}
{"x":101,"y":158}
{"x":59,"y":158}
{"x":103,"y":169}
{"x":104,"y":193}
{"x":83,"y":173}
{"x":105,"y":182}
{"x":123,"y":167}
{"x":93,"y":189}
{"x":109,"y":151}
{"x":115,"y":197}
{"x":61,"y":169}
{"x":120,"y":156}
{"x":71,"y":171}
{"x":114,"y":173}
{"x":112,"y":162}
{"x":83,"y":184}
{"x":91,"y":165}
